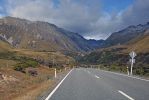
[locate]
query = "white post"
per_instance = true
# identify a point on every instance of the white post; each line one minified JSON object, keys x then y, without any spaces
{"x":55,"y":73}
{"x":131,"y":66}
{"x":127,"y":70}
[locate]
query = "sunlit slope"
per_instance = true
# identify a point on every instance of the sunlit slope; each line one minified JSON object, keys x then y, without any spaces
{"x":141,"y":45}
{"x":8,"y":52}
{"x":42,"y":36}
{"x":4,"y":46}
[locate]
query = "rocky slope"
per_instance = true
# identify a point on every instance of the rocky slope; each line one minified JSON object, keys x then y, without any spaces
{"x":126,"y":35}
{"x":38,"y":35}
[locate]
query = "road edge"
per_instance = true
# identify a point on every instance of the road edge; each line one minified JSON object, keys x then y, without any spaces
{"x":54,"y":90}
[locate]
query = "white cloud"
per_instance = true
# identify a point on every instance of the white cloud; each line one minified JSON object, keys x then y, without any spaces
{"x":83,"y":16}
{"x":136,"y":13}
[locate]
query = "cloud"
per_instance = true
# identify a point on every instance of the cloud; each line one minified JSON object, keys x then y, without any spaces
{"x":83,"y":16}
{"x":31,"y":9}
{"x":136,"y":13}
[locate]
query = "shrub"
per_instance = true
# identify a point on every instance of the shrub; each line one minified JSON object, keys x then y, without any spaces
{"x":25,"y":63}
{"x":33,"y":72}
{"x":32,"y":63}
{"x":20,"y":67}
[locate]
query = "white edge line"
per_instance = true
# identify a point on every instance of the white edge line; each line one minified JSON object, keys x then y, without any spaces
{"x":125,"y":95}
{"x":127,"y":76}
{"x":97,"y":76}
{"x":50,"y":95}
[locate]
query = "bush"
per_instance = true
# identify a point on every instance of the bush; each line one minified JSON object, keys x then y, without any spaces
{"x":20,"y":67}
{"x":32,"y":63}
{"x":33,"y":72}
{"x":25,"y":63}
{"x":139,"y":71}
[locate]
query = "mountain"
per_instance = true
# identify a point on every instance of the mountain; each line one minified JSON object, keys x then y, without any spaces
{"x":37,"y":35}
{"x":126,"y":35}
{"x":120,"y":44}
{"x":96,"y":43}
{"x":133,"y":38}
{"x":114,"y":55}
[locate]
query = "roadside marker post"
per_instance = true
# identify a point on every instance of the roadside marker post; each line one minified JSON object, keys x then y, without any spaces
{"x":132,"y":60}
{"x":127,"y":70}
{"x":55,"y":73}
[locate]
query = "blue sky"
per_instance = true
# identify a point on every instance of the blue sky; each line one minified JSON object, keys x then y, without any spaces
{"x":93,"y":19}
{"x":2,"y":4}
{"x":107,"y":5}
{"x":118,"y":5}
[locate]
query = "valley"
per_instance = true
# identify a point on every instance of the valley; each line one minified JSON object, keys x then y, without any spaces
{"x":30,"y":51}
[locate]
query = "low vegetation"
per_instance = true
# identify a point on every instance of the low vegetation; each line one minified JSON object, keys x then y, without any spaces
{"x":25,"y":63}
{"x":25,"y":74}
{"x":118,"y":61}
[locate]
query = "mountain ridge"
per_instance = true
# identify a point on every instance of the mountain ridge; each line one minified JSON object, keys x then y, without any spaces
{"x":39,"y":35}
{"x":127,"y":34}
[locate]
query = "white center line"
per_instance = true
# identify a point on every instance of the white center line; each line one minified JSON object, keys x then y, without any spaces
{"x":88,"y":72}
{"x":50,"y":95}
{"x":130,"y":98}
{"x":97,"y":76}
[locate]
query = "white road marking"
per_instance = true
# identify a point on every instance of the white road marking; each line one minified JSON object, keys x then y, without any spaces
{"x":88,"y":72}
{"x":92,"y":74}
{"x":127,"y":76}
{"x":97,"y":76}
{"x":50,"y":95}
{"x":124,"y":94}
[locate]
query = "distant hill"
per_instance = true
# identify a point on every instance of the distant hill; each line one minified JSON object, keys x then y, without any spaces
{"x":133,"y":38}
{"x":114,"y":54}
{"x":126,"y":35}
{"x":37,"y":35}
{"x":140,"y":45}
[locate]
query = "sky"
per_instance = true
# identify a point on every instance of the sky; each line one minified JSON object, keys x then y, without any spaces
{"x":93,"y":19}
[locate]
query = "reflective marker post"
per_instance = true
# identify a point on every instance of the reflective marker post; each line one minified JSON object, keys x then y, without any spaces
{"x":55,"y":73}
{"x":127,"y":70}
{"x":132,"y":60}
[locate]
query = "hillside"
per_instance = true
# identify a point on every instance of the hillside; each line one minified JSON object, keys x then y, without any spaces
{"x":28,"y":72}
{"x":126,"y":35}
{"x":7,"y":52}
{"x":116,"y":57}
{"x":4,"y":46}
{"x":36,"y":35}
{"x":140,"y":46}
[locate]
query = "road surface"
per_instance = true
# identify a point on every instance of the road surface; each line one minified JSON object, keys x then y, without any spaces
{"x":95,"y":84}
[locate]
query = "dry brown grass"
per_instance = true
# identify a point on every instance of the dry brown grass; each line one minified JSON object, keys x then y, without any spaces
{"x":4,"y":46}
{"x":26,"y":86}
{"x":33,"y":92}
{"x":7,"y":63}
{"x":140,"y":46}
{"x":48,"y":56}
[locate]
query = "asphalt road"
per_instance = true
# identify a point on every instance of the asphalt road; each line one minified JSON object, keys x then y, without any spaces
{"x":94,"y":84}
